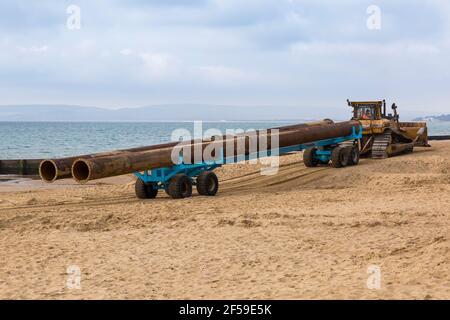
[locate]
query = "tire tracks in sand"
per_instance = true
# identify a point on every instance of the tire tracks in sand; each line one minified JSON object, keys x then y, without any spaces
{"x":289,"y":176}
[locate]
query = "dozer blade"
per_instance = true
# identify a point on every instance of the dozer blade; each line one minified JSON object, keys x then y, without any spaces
{"x":416,"y":131}
{"x":400,"y":148}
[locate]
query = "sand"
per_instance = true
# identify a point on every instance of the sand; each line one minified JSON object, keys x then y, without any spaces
{"x":301,"y":234}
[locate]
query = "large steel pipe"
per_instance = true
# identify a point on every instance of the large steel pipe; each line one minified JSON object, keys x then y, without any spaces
{"x":51,"y":170}
{"x":248,"y":143}
{"x":84,"y":170}
{"x":21,"y":167}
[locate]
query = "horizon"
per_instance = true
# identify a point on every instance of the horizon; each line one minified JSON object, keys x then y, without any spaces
{"x":293,"y":113}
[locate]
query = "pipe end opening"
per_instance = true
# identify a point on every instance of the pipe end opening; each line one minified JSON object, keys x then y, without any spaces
{"x":81,"y":171}
{"x":48,"y":171}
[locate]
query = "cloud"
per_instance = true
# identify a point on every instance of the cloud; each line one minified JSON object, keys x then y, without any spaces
{"x":224,"y":51}
{"x":33,"y":49}
{"x":159,"y":64}
{"x":223,"y":74}
{"x":126,"y":52}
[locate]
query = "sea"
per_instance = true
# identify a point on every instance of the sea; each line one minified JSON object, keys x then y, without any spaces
{"x":43,"y":140}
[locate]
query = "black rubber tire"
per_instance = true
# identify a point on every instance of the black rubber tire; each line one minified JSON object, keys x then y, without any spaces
{"x":207,"y":183}
{"x":339,"y":157}
{"x":353,"y":155}
{"x":180,"y":186}
{"x":309,"y":158}
{"x":145,"y":191}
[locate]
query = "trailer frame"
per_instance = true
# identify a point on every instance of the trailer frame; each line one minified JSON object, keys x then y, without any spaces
{"x":160,"y":178}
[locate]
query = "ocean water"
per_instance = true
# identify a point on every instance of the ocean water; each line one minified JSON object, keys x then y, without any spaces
{"x":439,"y":128}
{"x":27,"y":140}
{"x":42,"y":140}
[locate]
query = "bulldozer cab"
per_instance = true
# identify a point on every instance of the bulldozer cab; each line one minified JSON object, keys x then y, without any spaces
{"x":368,"y":110}
{"x":383,"y":134}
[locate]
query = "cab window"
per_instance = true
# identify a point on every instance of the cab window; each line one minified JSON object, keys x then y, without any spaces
{"x":365,"y":113}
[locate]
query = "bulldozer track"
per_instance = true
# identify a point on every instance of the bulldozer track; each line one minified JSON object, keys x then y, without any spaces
{"x":381,"y":144}
{"x":288,"y":173}
{"x":49,"y":206}
{"x":257,"y":174}
{"x":269,"y":181}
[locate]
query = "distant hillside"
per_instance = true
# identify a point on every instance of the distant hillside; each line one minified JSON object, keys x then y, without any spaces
{"x":167,"y":113}
{"x":443,"y":117}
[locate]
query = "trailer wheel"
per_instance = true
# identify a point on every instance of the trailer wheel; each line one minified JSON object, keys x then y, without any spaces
{"x":353,"y":155}
{"x":145,"y":190}
{"x":180,"y":186}
{"x":339,"y":157}
{"x":309,"y":157}
{"x":207,"y":183}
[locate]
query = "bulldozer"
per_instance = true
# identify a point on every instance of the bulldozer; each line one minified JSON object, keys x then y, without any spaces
{"x":383,"y":134}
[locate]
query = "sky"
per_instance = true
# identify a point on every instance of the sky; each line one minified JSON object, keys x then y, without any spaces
{"x":304,"y":54}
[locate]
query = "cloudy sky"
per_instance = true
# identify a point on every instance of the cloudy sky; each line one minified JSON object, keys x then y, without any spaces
{"x":230,"y":52}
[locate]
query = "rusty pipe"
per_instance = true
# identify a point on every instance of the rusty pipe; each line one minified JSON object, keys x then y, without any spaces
{"x":51,"y":170}
{"x":84,"y":170}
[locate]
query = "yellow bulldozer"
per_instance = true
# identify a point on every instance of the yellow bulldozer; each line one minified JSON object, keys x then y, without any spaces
{"x":383,"y":134}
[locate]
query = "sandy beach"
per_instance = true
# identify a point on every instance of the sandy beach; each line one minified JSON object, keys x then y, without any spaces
{"x":300,"y":234}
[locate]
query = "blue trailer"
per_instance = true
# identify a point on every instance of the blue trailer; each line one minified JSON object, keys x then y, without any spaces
{"x":179,"y":179}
